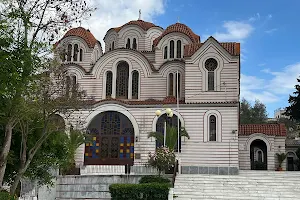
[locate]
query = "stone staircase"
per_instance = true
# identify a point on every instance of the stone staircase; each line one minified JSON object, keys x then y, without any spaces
{"x":258,"y":185}
{"x":89,"y":187}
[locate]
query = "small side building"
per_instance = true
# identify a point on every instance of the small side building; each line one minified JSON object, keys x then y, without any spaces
{"x":258,"y":145}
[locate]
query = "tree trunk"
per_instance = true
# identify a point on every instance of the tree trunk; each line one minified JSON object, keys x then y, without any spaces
{"x":5,"y":150}
{"x":16,"y":182}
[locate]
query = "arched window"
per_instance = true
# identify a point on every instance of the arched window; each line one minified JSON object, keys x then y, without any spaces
{"x":171,"y":84}
{"x":170,"y":121}
{"x":113,"y":46}
{"x":69,"y":54}
{"x":172,"y":49}
{"x":177,"y":89}
{"x":212,"y":128}
{"x":128,"y":44}
{"x":178,"y":48}
{"x":80,"y":55}
{"x":122,"y":80}
{"x":260,"y":156}
{"x":134,"y":45}
{"x":211,"y":65}
{"x":135,"y":85}
{"x":166,"y":52}
{"x":75,"y":52}
{"x":108,"y":84}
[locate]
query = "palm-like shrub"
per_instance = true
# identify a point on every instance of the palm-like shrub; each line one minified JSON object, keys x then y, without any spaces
{"x":280,"y":157}
{"x":171,"y":136}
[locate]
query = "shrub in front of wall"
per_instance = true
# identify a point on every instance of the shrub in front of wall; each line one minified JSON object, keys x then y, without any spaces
{"x":154,"y":179}
{"x":146,"y":191}
{"x":4,"y":195}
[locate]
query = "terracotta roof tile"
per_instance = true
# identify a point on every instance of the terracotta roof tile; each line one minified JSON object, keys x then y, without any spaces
{"x":231,"y":47}
{"x":268,"y":129}
{"x":167,"y":100}
{"x":178,"y":27}
{"x":83,"y":33}
{"x":144,"y":25}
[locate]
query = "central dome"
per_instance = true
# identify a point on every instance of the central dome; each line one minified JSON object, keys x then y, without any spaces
{"x":181,"y":28}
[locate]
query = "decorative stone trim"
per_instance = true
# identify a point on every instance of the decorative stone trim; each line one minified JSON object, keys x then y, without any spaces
{"x":209,"y":170}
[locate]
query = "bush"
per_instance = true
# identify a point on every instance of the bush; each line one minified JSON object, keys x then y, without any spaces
{"x":163,"y":159}
{"x":4,"y":195}
{"x":154,"y":179}
{"x":146,"y":191}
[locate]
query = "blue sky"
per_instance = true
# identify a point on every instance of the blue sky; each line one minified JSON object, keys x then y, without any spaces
{"x":268,"y":30}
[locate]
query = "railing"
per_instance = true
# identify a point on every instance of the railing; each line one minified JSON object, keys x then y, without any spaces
{"x":175,"y":172}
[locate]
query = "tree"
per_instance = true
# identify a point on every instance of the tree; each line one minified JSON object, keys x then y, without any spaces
{"x":256,"y":114}
{"x":27,"y":29}
{"x":293,"y":111}
{"x":171,"y":136}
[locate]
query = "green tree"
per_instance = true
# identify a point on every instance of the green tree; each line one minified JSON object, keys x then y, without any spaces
{"x":255,"y":114}
{"x":27,"y":29}
{"x":171,"y":136}
{"x":293,"y":111}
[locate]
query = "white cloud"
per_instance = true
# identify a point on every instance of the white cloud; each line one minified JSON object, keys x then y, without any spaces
{"x":270,"y":31}
{"x":111,"y":14}
{"x":235,"y":31}
{"x":278,"y":87}
{"x":254,"y":18}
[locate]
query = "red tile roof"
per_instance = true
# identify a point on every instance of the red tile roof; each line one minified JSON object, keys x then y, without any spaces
{"x":231,"y":47}
{"x":267,"y":129}
{"x":167,"y":100}
{"x":144,"y":25}
{"x":83,"y":33}
{"x":178,"y":27}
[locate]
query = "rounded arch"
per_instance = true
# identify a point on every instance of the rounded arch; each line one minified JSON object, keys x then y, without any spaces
{"x":164,"y":112}
{"x":204,"y":71}
{"x":206,"y":121}
{"x":78,"y":70}
{"x":113,"y":107}
{"x":259,"y":155}
{"x":174,"y":36}
{"x":122,"y":54}
{"x":258,"y":136}
{"x":130,"y":30}
{"x":171,"y":66}
{"x":74,"y":40}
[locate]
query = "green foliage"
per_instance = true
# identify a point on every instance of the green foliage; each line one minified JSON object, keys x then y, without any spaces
{"x":154,"y":179}
{"x":147,"y":191}
{"x":256,"y":114}
{"x":163,"y":159}
{"x":280,"y":158}
{"x":4,"y":195}
{"x":294,"y":109}
{"x":171,"y":136}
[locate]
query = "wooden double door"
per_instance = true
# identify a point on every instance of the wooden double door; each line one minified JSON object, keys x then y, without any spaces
{"x":110,"y":141}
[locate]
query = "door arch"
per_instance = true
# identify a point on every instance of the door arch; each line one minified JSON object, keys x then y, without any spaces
{"x":258,"y":155}
{"x":110,"y":141}
{"x":171,"y":121}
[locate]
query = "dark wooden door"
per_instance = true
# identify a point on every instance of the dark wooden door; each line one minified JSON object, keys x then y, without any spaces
{"x":290,"y":162}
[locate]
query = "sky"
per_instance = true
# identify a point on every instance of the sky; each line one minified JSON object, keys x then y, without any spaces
{"x":268,"y":30}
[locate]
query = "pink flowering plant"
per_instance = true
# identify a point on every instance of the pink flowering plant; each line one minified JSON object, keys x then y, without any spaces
{"x":163,"y":159}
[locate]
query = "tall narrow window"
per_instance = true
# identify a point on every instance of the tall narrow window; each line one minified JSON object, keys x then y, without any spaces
{"x":108,"y":84}
{"x":211,"y":65}
{"x":68,"y":85}
{"x":128,"y":44}
{"x":80,"y":55}
{"x":113,"y":46}
{"x":75,"y":52}
{"x":74,"y":86}
{"x":172,"y":49}
{"x":166,"y":52}
{"x":69,"y":55}
{"x":135,"y":85}
{"x":178,"y":48}
{"x":122,"y":80}
{"x":178,"y":85}
{"x":212,"y":128}
{"x":110,"y":47}
{"x":134,"y":45}
{"x":171,"y":81}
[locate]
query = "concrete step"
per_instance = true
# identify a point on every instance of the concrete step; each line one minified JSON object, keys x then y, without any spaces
{"x":258,"y":185}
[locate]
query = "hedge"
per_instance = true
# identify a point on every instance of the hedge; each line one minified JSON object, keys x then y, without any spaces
{"x":146,"y":191}
{"x":4,"y":195}
{"x":154,"y":179}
